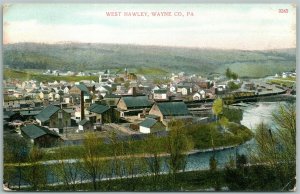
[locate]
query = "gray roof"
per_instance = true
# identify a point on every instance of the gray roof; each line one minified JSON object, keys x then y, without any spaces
{"x":34,"y":131}
{"x":136,"y":101}
{"x":98,"y":108}
{"x":148,"y":122}
{"x":173,"y":108}
{"x":45,"y":114}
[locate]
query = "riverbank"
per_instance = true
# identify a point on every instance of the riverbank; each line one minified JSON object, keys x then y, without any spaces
{"x":229,"y":179}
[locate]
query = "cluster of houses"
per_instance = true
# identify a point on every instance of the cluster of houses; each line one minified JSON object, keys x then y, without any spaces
{"x":50,"y":108}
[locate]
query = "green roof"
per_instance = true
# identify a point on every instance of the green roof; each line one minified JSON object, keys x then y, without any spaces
{"x":83,"y":122}
{"x":137,"y":101}
{"x":34,"y":131}
{"x":173,"y":108}
{"x":8,"y":114}
{"x":98,"y":108}
{"x":45,"y":114}
{"x":83,"y":88}
{"x":160,"y":91}
{"x":148,"y":122}
{"x":29,"y":112}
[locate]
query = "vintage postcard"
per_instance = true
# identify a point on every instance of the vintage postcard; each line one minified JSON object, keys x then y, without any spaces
{"x":149,"y":97}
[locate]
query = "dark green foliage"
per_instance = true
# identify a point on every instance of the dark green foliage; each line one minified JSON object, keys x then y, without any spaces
{"x":202,"y":135}
{"x":231,"y":75}
{"x":232,"y":86}
{"x":233,"y":114}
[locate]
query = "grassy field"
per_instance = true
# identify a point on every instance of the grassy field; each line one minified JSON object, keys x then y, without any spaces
{"x":24,"y":75}
{"x":288,"y":82}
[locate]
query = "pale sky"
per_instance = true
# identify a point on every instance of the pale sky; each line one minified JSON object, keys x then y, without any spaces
{"x":224,"y":26}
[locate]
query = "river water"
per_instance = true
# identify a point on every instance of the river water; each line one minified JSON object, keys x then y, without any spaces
{"x":253,"y":114}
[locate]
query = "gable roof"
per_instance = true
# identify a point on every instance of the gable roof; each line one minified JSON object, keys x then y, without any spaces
{"x":112,"y":96}
{"x":8,"y":114}
{"x":45,"y":114}
{"x":173,"y":108}
{"x":29,"y":112}
{"x":83,"y":88}
{"x":148,"y":122}
{"x":83,"y":122}
{"x":136,"y":101}
{"x":34,"y":131}
{"x":98,"y":108}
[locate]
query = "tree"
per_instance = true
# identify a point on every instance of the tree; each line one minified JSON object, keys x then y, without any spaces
{"x":228,"y":73}
{"x":16,"y":150}
{"x":68,"y":172}
{"x":35,"y":172}
{"x":92,"y":164}
{"x":177,"y":145}
{"x":215,"y":176}
{"x":152,"y":147}
{"x":224,"y":122}
{"x":277,"y":148}
{"x":217,"y":107}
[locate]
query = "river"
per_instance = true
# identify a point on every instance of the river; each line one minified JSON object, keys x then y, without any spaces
{"x":253,"y":114}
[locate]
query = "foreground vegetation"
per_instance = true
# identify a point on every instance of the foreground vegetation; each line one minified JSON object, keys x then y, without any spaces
{"x":271,"y":166}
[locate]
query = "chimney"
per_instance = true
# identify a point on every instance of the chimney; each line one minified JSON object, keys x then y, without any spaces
{"x":133,"y":91}
{"x":81,"y":105}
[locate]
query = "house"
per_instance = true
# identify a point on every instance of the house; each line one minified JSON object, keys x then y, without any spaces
{"x":41,"y":136}
{"x":104,"y":90}
{"x":44,"y":94}
{"x":29,"y":114}
{"x":150,"y":125}
{"x":66,"y":89}
{"x":100,"y":114}
{"x":111,"y":99}
{"x":169,"y":110}
{"x":54,"y":117}
{"x":197,"y":96}
{"x":10,"y":116}
{"x":172,"y":89}
{"x":133,"y":102}
{"x":205,"y":84}
{"x":133,"y":105}
{"x":249,"y":86}
{"x":85,"y":125}
{"x":78,"y":88}
{"x":160,"y":94}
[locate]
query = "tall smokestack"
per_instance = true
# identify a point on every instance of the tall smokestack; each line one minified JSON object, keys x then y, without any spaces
{"x":82,"y":105}
{"x":133,"y":91}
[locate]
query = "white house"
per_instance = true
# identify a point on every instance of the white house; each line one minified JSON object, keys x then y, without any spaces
{"x":172,"y":89}
{"x":186,"y":91}
{"x":197,"y":96}
{"x":160,"y":94}
{"x":150,"y":125}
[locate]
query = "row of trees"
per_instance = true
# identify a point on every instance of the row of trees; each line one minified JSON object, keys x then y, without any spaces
{"x":274,"y":156}
{"x":123,"y":163}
